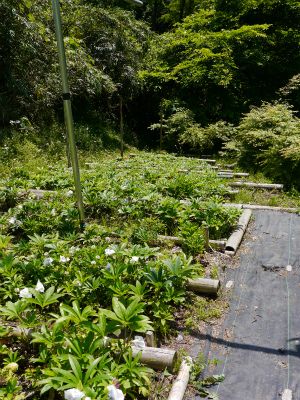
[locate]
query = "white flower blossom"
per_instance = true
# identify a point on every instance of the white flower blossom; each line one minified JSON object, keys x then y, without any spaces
{"x":64,"y":259}
{"x":139,"y":342}
{"x":114,"y":393}
{"x":25,"y":294}
{"x":53,"y":212}
{"x":93,"y":262}
{"x":109,"y":252}
{"x":12,"y":220}
{"x":98,"y":257}
{"x":73,"y":250}
{"x":108,"y":267}
{"x":69,"y":193}
{"x":73,"y":394}
{"x":134,"y":259}
{"x":40,"y":287}
{"x":47,"y":261}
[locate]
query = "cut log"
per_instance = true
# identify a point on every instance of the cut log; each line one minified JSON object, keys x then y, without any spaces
{"x":232,"y":192}
{"x":214,"y":243}
{"x":241,"y":174}
{"x":270,"y":186}
{"x":175,"y":239}
{"x":218,"y":244}
{"x":38,"y":194}
{"x":230,"y":165}
{"x":156,"y":358}
{"x":91,"y":164}
{"x":235,"y":239}
{"x":21,"y":332}
{"x":209,"y":161}
{"x":179,"y":386}
{"x":261,"y":207}
{"x":232,"y":174}
{"x":203,"y":285}
{"x":225,"y":176}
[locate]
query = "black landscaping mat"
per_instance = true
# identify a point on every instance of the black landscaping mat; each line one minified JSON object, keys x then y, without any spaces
{"x":259,"y":354}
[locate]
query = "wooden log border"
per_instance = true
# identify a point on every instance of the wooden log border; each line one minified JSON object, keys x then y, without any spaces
{"x":179,"y":386}
{"x":236,"y":237}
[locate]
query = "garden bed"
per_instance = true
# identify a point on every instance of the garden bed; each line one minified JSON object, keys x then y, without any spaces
{"x":85,"y":294}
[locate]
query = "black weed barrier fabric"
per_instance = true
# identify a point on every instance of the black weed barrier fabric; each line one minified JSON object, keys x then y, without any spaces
{"x":259,"y":345}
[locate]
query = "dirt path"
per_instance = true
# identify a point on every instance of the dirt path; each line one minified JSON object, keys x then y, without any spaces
{"x":259,"y":344}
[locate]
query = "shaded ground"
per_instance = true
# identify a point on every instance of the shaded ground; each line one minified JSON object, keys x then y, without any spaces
{"x":258,"y":344}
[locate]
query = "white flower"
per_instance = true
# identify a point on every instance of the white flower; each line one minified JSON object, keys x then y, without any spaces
{"x":53,"y":212}
{"x":139,"y":342}
{"x":47,"y":261}
{"x":40,"y":287}
{"x":64,"y":259}
{"x":109,"y":252}
{"x":73,"y":394}
{"x":134,"y":259}
{"x":98,"y":257}
{"x":25,"y":294}
{"x":14,"y":221}
{"x":73,"y":250}
{"x":108,"y":267}
{"x":69,"y":193}
{"x":114,"y":393}
{"x":105,"y":340}
{"x":93,"y":262}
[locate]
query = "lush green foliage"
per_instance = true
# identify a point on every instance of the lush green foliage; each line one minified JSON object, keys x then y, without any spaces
{"x":268,"y":140}
{"x":104,"y":49}
{"x":85,"y":294}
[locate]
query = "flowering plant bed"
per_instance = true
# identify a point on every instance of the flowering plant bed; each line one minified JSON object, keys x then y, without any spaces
{"x":77,"y":298}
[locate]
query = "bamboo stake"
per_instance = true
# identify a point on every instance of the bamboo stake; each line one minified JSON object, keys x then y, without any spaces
{"x":150,"y":339}
{"x":182,"y":380}
{"x":68,"y":108}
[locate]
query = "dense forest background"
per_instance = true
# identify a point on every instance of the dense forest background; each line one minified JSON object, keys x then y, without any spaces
{"x":209,"y":73}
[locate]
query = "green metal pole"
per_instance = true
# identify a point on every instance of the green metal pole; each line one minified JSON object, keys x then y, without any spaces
{"x":68,"y":107}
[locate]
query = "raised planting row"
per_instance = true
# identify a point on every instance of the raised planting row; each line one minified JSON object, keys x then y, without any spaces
{"x":71,"y":300}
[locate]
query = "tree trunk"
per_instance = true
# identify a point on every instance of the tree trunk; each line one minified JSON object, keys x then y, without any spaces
{"x":160,"y":132}
{"x":121,"y":128}
{"x":181,"y":10}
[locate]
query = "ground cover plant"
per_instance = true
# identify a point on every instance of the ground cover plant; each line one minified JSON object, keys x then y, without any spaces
{"x":72,"y":300}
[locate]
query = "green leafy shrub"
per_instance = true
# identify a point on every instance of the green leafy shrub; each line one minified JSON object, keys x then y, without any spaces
{"x":268,"y":139}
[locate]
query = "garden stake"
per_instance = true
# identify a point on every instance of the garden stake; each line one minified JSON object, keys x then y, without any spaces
{"x":150,"y":339}
{"x":68,"y":107}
